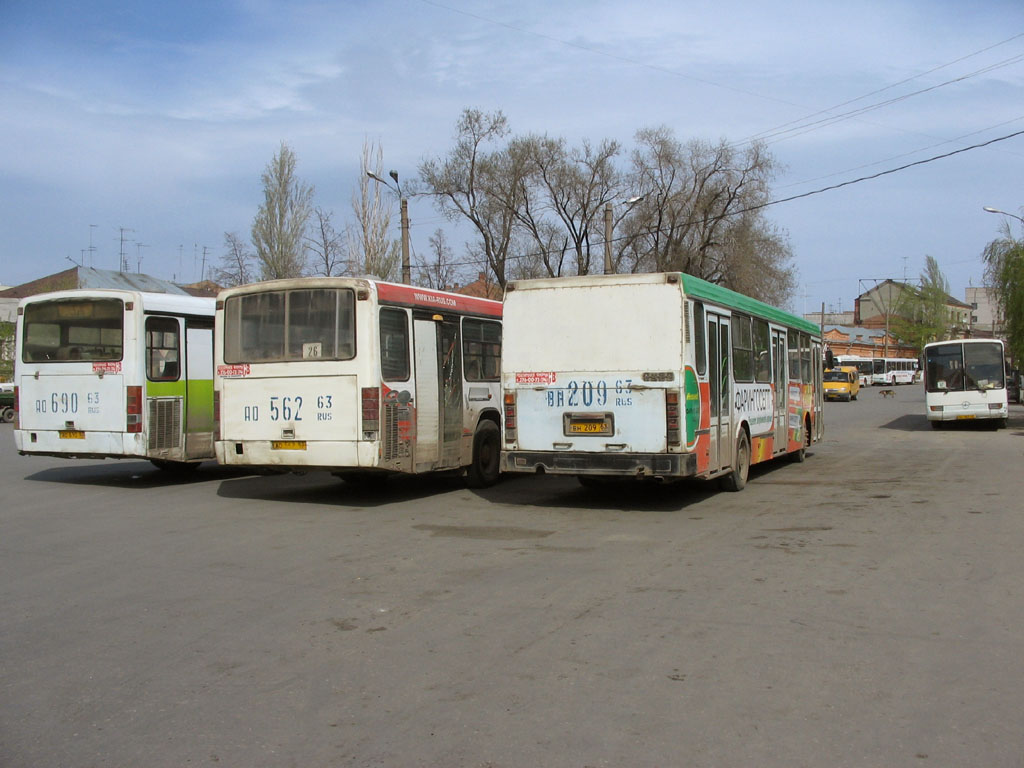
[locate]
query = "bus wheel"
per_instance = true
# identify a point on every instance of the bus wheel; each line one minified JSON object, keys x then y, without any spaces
{"x":7,"y":416}
{"x":737,"y":479}
{"x":486,"y":464}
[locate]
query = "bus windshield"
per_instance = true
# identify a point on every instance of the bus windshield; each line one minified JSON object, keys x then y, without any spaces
{"x":297,"y":324}
{"x":73,"y":329}
{"x":959,"y":367}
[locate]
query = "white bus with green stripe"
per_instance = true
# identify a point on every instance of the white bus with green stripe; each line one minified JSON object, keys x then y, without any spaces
{"x":115,"y":374}
{"x":654,"y":376}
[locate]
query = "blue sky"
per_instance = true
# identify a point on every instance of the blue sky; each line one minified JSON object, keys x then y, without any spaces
{"x":160,"y":117}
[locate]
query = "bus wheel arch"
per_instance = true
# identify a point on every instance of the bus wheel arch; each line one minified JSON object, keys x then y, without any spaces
{"x":736,"y":480}
{"x":485,"y":464}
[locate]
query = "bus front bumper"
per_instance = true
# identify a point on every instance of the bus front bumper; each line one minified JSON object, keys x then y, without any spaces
{"x":618,"y":464}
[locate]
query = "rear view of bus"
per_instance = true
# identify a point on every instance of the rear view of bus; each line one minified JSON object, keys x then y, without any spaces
{"x":359,"y":377}
{"x":115,"y":374}
{"x":965,"y":380}
{"x":653,"y":376}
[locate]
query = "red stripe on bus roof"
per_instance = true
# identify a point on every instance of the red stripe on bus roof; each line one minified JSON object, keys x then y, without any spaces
{"x":441,"y":300}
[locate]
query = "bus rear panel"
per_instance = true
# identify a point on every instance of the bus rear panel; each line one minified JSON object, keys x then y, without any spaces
{"x":118,"y":374}
{"x":356,"y":376}
{"x":630,"y":376}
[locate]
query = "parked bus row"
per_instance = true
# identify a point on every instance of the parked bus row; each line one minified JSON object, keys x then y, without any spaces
{"x":657,"y":376}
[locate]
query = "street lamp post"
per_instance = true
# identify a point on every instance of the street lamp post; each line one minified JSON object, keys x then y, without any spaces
{"x":1004,"y":213}
{"x":403,"y":206}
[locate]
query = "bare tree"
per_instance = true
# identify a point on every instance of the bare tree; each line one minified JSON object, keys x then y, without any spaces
{"x":439,"y":271}
{"x":236,"y":267}
{"x":700,"y":213}
{"x":280,"y":224}
{"x":325,"y":245}
{"x":484,"y":188}
{"x":371,"y":249}
{"x":570,"y":186}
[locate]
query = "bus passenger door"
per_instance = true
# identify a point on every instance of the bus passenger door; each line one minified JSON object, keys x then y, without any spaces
{"x":451,"y":393}
{"x":718,"y":377}
{"x":199,"y":389}
{"x":427,"y":397}
{"x":781,"y":381}
{"x":438,"y":394}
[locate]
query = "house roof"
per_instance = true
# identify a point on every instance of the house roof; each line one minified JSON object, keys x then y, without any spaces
{"x":88,"y":277}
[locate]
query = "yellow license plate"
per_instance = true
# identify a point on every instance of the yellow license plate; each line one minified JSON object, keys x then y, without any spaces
{"x":71,"y":434}
{"x":588,"y":428}
{"x":966,"y":416}
{"x":288,"y":445}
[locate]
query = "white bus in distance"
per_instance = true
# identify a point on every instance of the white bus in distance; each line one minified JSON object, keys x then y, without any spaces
{"x":865,"y":366}
{"x":115,"y":374}
{"x":965,"y":380}
{"x":357,"y":376}
{"x":654,"y":376}
{"x":890,"y":371}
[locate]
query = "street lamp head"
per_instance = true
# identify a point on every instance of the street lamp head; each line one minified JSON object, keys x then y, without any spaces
{"x":375,"y":177}
{"x":634,"y":200}
{"x":991,"y":210}
{"x":393,"y":175}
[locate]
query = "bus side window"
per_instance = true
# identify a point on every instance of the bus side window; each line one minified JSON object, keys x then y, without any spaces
{"x":762,"y":352}
{"x":162,"y":349}
{"x":794,"y":355}
{"x":394,"y":345}
{"x":699,"y":347}
{"x":481,"y":349}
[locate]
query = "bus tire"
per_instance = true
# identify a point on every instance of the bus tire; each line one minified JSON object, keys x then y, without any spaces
{"x":737,"y":479}
{"x":7,"y":416}
{"x":486,"y":462}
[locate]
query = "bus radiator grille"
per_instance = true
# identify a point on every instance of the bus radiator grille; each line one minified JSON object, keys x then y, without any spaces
{"x":395,"y":446}
{"x":164,"y":423}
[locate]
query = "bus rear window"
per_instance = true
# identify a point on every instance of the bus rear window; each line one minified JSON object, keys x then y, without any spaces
{"x":301,"y":324}
{"x":73,"y":330}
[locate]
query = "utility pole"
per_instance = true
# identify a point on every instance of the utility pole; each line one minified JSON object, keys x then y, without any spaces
{"x":607,"y":238}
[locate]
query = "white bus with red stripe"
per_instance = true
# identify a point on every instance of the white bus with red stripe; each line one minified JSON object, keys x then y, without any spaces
{"x":654,"y":376}
{"x":358,"y":376}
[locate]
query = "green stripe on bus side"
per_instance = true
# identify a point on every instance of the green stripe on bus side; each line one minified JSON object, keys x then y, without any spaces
{"x":200,"y":405}
{"x":702,"y":289}
{"x":198,"y":396}
{"x":165,"y":388}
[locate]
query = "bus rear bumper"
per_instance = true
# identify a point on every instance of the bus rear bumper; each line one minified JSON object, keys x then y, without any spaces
{"x":618,"y":464}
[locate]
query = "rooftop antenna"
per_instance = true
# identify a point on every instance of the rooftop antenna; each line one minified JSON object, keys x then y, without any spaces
{"x":124,"y":259}
{"x":138,"y":256}
{"x":92,"y":248}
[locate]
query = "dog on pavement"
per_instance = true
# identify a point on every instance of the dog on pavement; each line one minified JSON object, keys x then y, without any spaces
{"x":887,"y":392}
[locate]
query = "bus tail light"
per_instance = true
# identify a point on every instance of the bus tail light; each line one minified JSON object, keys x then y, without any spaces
{"x":510,"y":417}
{"x":134,"y":409}
{"x":216,"y":415}
{"x":672,"y":431}
{"x":371,"y":410}
{"x":17,"y":409}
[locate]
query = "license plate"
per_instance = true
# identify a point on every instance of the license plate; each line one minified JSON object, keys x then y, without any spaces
{"x":288,"y":445}
{"x":589,"y":428}
{"x":966,"y":416}
{"x":71,"y":434}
